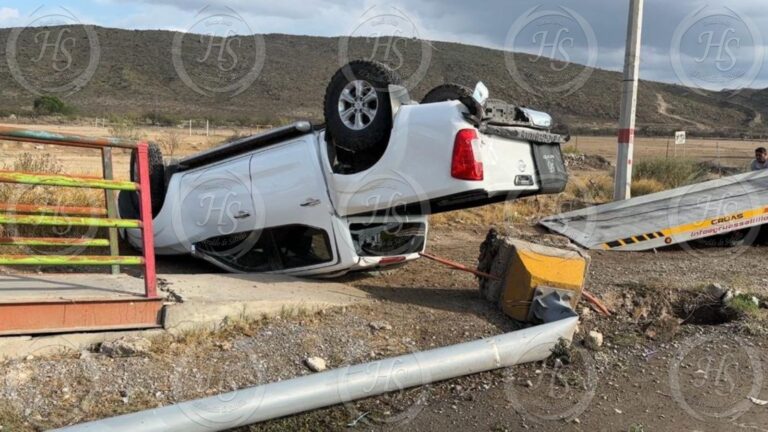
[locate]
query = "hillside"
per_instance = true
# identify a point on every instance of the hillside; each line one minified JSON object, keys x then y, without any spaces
{"x":135,"y":76}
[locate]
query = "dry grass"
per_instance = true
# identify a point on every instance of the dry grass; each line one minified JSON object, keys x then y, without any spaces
{"x":124,"y":128}
{"x":42,"y":163}
{"x":583,"y":189}
{"x":12,"y":420}
{"x":580,"y":192}
{"x":591,"y":189}
{"x":671,"y":173}
{"x":645,"y":186}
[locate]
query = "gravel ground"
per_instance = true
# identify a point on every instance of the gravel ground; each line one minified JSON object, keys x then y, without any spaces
{"x":647,"y":376}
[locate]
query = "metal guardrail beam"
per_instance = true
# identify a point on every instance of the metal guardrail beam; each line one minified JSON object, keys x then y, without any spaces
{"x":53,"y":241}
{"x":58,"y":210}
{"x":93,"y":260}
{"x":68,"y":221}
{"x":66,"y":181}
{"x":43,"y":137}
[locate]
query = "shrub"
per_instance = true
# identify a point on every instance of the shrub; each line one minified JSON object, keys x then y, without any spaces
{"x":170,"y":143}
{"x":671,"y":173}
{"x":162,"y":119}
{"x":571,"y":149}
{"x":41,"y":163}
{"x":124,"y":128}
{"x":595,"y":189}
{"x":47,"y":105}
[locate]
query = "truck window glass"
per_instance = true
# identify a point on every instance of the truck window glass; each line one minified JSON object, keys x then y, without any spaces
{"x":386,"y":239}
{"x":271,"y":249}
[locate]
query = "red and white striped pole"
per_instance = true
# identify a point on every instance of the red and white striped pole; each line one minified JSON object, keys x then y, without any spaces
{"x":625,"y":154}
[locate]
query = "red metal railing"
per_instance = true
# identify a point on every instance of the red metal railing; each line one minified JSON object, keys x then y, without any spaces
{"x":32,"y":214}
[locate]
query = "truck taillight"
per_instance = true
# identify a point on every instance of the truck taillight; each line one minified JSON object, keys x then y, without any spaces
{"x":466,"y":163}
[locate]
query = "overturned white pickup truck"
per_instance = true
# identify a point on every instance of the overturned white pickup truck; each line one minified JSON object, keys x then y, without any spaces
{"x":354,"y":194}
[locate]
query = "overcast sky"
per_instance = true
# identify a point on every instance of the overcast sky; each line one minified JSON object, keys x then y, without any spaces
{"x":708,"y":44}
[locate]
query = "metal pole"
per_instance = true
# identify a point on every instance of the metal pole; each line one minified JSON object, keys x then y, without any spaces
{"x":629,"y":102}
{"x":719,"y":166}
{"x":147,"y":232}
{"x":109,"y":196}
{"x":279,"y":399}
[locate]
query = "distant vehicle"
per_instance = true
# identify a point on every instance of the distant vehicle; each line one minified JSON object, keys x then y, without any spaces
{"x":353,"y":194}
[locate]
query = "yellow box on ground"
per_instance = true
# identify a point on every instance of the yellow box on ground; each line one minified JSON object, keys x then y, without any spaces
{"x":532,"y":266}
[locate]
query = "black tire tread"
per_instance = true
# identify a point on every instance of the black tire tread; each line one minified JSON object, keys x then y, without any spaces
{"x":447,"y":92}
{"x":156,"y":177}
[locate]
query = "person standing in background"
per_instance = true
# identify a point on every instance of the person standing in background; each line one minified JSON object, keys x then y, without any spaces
{"x":761,"y":160}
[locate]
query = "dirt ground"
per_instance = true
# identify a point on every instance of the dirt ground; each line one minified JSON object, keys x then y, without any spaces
{"x":645,"y":377}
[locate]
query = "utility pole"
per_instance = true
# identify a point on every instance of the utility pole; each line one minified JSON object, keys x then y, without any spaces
{"x":626,"y":144}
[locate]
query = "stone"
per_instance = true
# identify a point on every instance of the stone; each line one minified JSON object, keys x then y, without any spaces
{"x":128,"y":346}
{"x":594,"y":340}
{"x":380,"y":325}
{"x":316,"y":364}
{"x":716,"y":290}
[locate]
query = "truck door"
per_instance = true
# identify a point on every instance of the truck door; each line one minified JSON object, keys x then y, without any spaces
{"x":288,"y":181}
{"x":293,"y":214}
{"x":215,"y":201}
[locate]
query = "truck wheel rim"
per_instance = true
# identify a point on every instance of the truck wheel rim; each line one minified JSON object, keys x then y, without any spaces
{"x":358,"y":104}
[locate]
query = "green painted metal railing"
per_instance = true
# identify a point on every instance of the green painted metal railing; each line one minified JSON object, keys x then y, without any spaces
{"x":65,"y":181}
{"x":46,"y":220}
{"x":81,"y":260}
{"x":44,"y":215}
{"x":60,"y":210}
{"x":52,"y":241}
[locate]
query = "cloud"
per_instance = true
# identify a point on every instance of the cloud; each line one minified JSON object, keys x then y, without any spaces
{"x":7,"y":13}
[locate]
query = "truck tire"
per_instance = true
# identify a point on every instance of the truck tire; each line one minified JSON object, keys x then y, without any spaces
{"x":449,"y":92}
{"x":357,"y":108}
{"x":156,"y":177}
